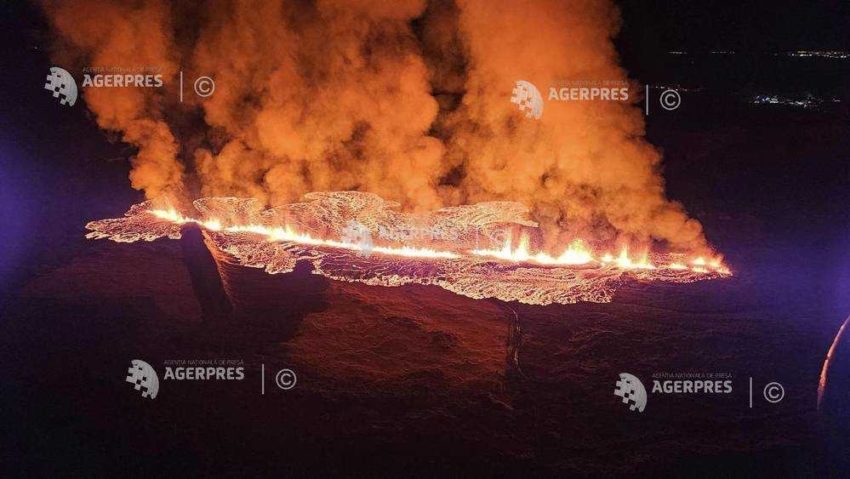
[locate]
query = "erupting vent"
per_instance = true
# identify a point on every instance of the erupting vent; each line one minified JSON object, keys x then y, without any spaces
{"x":479,"y":251}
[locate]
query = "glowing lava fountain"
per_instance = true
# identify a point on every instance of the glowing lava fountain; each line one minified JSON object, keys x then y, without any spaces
{"x":359,"y":237}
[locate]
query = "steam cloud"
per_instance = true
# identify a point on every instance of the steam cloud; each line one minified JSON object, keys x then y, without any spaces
{"x":406,"y":99}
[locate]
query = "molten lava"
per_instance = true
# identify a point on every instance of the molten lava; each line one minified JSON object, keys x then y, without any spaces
{"x":354,"y":237}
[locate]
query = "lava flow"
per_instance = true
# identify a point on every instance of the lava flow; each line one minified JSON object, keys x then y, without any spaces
{"x":354,"y":236}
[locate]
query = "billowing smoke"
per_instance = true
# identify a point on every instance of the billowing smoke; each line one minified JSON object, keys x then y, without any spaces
{"x":585,"y":162}
{"x":408,"y":99}
{"x":114,"y":34}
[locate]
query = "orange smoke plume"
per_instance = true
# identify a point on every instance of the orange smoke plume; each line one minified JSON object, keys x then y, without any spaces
{"x":406,"y":99}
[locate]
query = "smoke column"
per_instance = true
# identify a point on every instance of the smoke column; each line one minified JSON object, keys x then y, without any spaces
{"x":113,"y":34}
{"x":585,"y":163}
{"x":406,"y":99}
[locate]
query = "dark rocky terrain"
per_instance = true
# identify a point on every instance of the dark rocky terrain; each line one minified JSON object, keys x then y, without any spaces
{"x":410,"y":380}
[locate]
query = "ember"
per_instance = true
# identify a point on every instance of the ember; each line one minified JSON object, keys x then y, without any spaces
{"x":482,"y":262}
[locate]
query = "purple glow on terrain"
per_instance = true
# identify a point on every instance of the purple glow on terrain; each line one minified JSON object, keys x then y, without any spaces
{"x":14,"y":215}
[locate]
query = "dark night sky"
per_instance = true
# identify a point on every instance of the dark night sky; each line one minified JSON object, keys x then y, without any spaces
{"x":760,"y":25}
{"x":650,"y":28}
{"x":653,"y":27}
